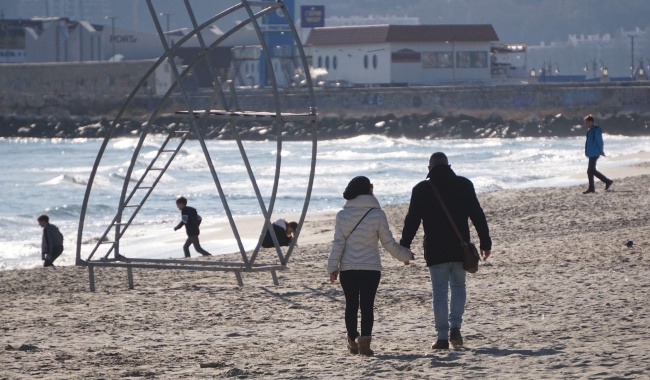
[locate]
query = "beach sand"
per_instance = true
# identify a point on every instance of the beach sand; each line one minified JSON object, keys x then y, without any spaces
{"x":561,"y":297}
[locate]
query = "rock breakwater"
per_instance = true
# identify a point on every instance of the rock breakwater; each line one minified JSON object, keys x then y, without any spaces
{"x":416,"y":126}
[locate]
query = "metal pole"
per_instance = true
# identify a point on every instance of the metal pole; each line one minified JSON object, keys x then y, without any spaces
{"x":168,"y":38}
{"x":632,"y":55}
{"x":112,"y":39}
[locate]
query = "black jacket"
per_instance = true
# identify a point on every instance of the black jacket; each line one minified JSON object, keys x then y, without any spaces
{"x":191,"y":219}
{"x":280,"y":233}
{"x":441,"y":245}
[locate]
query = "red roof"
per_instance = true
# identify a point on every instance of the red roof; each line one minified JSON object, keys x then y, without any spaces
{"x":343,"y":35}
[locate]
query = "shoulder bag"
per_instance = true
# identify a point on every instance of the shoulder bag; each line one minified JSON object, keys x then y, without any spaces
{"x":470,"y":253}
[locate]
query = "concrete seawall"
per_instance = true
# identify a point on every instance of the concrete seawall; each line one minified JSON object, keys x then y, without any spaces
{"x":82,"y":99}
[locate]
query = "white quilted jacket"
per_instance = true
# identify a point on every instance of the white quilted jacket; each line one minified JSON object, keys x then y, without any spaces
{"x":361,"y":251}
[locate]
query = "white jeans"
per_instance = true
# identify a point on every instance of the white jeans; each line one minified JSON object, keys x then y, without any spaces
{"x":448,"y":313}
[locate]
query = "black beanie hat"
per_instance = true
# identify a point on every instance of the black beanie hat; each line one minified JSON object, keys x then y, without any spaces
{"x":358,"y":186}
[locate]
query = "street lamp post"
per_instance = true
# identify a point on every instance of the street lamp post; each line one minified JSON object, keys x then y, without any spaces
{"x":594,"y":65}
{"x":112,"y":39}
{"x":547,"y":69}
{"x":639,"y":72}
{"x":168,"y":38}
{"x":632,"y":54}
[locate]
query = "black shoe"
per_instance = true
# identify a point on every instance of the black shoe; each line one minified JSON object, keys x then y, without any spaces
{"x":608,"y":184}
{"x":207,"y":254}
{"x":588,"y":191}
{"x":455,"y":338}
{"x":440,"y":344}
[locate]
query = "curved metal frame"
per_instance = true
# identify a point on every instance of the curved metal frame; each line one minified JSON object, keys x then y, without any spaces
{"x":278,"y":118}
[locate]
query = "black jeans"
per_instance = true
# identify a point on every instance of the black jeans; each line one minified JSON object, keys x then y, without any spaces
{"x":56,"y":252}
{"x":591,"y":172}
{"x":194,"y":240}
{"x":360,"y":288}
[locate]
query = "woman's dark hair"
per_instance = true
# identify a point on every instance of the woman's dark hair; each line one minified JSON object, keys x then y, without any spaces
{"x":358,"y":186}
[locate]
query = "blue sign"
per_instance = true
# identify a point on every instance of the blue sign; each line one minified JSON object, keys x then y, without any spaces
{"x":312,"y":16}
{"x":277,"y":17}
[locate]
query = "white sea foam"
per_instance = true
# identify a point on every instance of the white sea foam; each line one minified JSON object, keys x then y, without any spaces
{"x":50,"y":176}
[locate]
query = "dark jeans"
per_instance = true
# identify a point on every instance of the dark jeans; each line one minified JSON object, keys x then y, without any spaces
{"x":360,"y":288}
{"x":56,"y":252}
{"x":194,"y":240}
{"x":591,"y":172}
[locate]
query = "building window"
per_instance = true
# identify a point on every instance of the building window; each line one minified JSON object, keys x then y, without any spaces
{"x":320,"y":61}
{"x":327,"y":62}
{"x":334,"y":63}
{"x":365,"y":61}
{"x":374,"y":61}
{"x":437,"y":60}
{"x":471,"y":59}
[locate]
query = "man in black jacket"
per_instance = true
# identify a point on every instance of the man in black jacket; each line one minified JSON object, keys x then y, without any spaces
{"x":191,"y":219}
{"x":442,"y":248}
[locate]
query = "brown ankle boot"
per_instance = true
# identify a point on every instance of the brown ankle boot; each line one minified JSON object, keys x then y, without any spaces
{"x":364,"y":346}
{"x":353,"y":346}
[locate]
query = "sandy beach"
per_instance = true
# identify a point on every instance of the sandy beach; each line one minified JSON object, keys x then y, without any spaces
{"x":561,"y":297}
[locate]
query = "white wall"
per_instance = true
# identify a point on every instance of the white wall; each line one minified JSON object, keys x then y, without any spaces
{"x":350,"y":63}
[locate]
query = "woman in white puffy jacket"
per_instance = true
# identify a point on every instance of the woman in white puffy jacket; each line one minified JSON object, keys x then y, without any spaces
{"x":360,"y":225}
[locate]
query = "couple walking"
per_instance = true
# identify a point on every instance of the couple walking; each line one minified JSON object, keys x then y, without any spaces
{"x":355,"y":257}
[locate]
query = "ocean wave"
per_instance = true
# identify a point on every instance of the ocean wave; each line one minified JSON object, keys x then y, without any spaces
{"x":76,"y":179}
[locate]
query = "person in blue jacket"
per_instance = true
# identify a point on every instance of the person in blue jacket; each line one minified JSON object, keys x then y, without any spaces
{"x":594,"y":148}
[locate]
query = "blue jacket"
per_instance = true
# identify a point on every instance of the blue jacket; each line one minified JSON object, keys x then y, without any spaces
{"x":594,"y":145}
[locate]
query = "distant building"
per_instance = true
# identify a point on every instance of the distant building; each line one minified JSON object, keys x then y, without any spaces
{"x":94,"y":11}
{"x":404,"y":54}
{"x":59,"y":39}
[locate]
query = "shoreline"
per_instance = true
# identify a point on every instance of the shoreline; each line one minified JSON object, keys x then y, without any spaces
{"x":218,"y":238}
{"x":561,"y":296}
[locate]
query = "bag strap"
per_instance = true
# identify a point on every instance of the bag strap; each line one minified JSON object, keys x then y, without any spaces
{"x":444,"y":208}
{"x":359,"y":222}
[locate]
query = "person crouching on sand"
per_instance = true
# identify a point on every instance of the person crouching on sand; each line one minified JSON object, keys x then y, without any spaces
{"x":355,"y":254}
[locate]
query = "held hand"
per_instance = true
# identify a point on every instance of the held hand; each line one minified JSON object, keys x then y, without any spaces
{"x":333,"y":276}
{"x":407,"y":262}
{"x":485,"y":253}
{"x":603,"y":154}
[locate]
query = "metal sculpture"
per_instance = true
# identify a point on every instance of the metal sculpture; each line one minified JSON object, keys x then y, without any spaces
{"x":136,"y":190}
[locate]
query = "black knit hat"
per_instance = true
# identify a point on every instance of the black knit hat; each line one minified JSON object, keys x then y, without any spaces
{"x":358,"y":186}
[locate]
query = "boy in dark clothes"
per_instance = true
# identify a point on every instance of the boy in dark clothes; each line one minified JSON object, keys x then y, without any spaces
{"x":191,"y":220}
{"x":52,"y":243}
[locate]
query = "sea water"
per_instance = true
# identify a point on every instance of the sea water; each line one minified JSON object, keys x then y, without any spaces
{"x":50,"y":176}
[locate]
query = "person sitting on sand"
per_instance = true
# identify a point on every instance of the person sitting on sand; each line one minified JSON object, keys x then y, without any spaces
{"x":283,"y":232}
{"x":355,"y":254}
